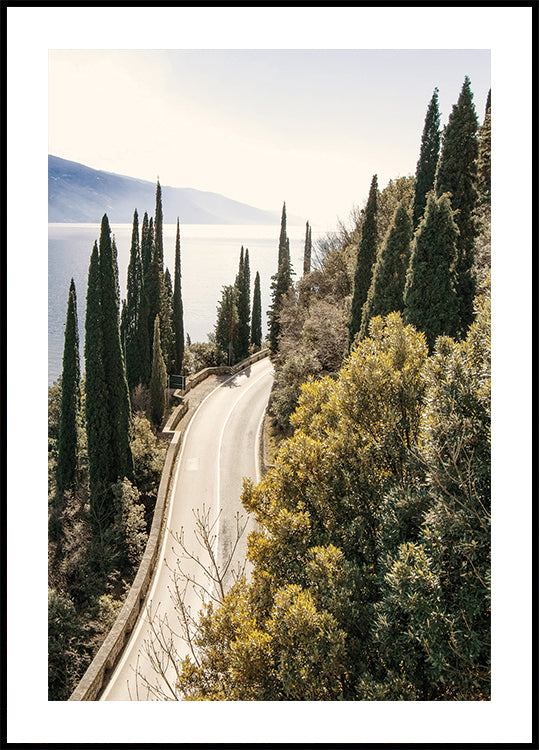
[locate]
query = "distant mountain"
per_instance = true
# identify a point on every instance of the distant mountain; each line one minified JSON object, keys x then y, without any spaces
{"x":79,"y":194}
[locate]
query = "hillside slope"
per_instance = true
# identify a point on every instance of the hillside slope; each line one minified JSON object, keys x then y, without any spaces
{"x":79,"y":194}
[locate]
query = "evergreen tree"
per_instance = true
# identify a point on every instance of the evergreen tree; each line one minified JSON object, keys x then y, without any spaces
{"x":145,"y":334}
{"x":389,"y":275}
{"x":226,"y":329}
{"x":430,"y":298}
{"x":67,"y":445}
{"x":98,"y":426}
{"x":160,"y":301}
{"x":366,"y":257}
{"x":307,"y":251}
{"x":158,"y":382}
{"x":131,"y":328}
{"x":483,"y":159}
{"x":146,"y":247}
{"x":179,"y":342}
{"x":243,"y":285}
{"x":256,"y":322}
{"x":281,"y":283}
{"x":428,"y":158}
{"x":457,"y":175}
{"x":119,"y":407}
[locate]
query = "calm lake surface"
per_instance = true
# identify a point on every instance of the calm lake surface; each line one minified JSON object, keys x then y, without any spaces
{"x":210,"y":257}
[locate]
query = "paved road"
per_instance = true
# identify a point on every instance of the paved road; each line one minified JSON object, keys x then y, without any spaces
{"x":220,"y":447}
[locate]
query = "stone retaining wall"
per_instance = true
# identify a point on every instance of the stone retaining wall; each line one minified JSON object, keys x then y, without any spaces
{"x":96,"y":676}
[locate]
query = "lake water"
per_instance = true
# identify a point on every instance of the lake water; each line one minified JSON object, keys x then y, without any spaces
{"x":210,"y":257}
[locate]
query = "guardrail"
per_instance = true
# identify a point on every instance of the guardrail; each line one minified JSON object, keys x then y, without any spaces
{"x":96,"y":676}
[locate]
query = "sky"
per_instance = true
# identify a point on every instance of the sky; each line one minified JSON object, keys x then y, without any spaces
{"x":322,"y":179}
{"x":309,"y":127}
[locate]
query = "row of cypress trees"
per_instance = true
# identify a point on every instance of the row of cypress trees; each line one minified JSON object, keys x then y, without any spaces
{"x":424,"y":267}
{"x":121,"y":353}
{"x":239,"y":328}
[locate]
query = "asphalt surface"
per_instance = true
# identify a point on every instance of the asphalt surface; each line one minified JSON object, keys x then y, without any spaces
{"x":220,"y":447}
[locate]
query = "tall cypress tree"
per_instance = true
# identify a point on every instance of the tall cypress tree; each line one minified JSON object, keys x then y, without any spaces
{"x":389,"y":275}
{"x":158,"y":382}
{"x":281,"y":283}
{"x":430,"y":296}
{"x":68,"y":452}
{"x":428,"y":158}
{"x":256,"y":322}
{"x":226,"y":328}
{"x":145,"y":247}
{"x":144,"y":335}
{"x":179,"y":339}
{"x":130,"y":323}
{"x":160,"y":296}
{"x":366,"y":257}
{"x":457,"y":175}
{"x":483,"y":158}
{"x":98,"y":426}
{"x":243,"y":285}
{"x":307,"y":251}
{"x":119,"y":407}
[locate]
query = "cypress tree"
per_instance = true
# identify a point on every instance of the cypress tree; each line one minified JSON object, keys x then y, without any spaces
{"x":119,"y":407}
{"x":243,"y":285}
{"x":226,"y":329}
{"x":160,"y":296}
{"x":366,"y":257}
{"x":389,"y":275}
{"x":145,"y":247}
{"x":430,"y":297}
{"x":428,"y":158}
{"x":179,"y":342}
{"x":281,"y":283}
{"x":307,"y":251}
{"x":130,"y":324}
{"x":483,"y":159}
{"x":98,"y":426}
{"x":158,"y":382}
{"x":256,"y":323}
{"x":67,"y":446}
{"x":457,"y":175}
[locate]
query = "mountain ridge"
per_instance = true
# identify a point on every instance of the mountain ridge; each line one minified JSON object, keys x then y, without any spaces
{"x":81,"y":194}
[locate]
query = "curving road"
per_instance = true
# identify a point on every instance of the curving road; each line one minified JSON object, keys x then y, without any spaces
{"x":219,"y":448}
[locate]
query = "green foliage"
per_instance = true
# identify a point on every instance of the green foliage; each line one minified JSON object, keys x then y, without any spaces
{"x":226,"y":328}
{"x":130,"y":526}
{"x":243,"y":287}
{"x":202,"y":354}
{"x":134,"y":325}
{"x":281,"y":284}
{"x":297,"y":369}
{"x":158,"y":383}
{"x":256,"y":319}
{"x":69,"y":421}
{"x":428,"y":159}
{"x":457,"y":175}
{"x":179,"y":339}
{"x":430,"y":294}
{"x":308,"y":250}
{"x":483,"y":161}
{"x":389,"y":275}
{"x":366,"y":257}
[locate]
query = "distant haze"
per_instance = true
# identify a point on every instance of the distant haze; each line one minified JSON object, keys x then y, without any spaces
{"x":79,"y":194}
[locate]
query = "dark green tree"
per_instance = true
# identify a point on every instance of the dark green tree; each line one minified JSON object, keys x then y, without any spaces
{"x":366,"y":257}
{"x":179,"y":339}
{"x":256,"y":321}
{"x":428,"y":158}
{"x":146,"y":241}
{"x":389,"y":275}
{"x":308,"y":250}
{"x":243,"y":285}
{"x":457,"y":175}
{"x":430,"y":297}
{"x":119,"y":407}
{"x":281,"y":283}
{"x":226,"y":329}
{"x":134,"y":343}
{"x":483,"y":159}
{"x":98,"y":426}
{"x":69,"y":422}
{"x":158,"y":383}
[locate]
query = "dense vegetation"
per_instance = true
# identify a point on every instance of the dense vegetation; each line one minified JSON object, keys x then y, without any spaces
{"x":371,"y":560}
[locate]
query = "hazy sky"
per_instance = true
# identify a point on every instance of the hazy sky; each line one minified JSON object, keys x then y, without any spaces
{"x":261,"y":126}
